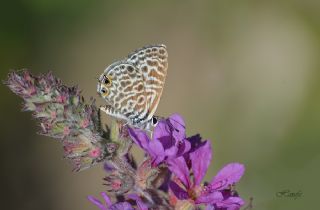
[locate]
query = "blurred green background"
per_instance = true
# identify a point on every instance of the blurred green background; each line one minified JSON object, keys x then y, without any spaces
{"x":245,"y":74}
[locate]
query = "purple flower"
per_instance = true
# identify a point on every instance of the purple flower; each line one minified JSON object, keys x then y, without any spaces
{"x":108,"y":205}
{"x":168,"y":142}
{"x":226,"y":177}
{"x":217,"y":193}
{"x":229,"y":202}
{"x":63,"y":114}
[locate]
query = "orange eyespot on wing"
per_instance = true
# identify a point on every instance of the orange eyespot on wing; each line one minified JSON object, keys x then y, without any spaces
{"x":107,"y":81}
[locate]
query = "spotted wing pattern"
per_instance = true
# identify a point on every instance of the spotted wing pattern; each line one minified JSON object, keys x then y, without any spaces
{"x":152,"y":61}
{"x":133,"y":87}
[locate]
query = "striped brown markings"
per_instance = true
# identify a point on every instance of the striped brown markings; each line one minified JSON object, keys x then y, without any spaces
{"x":154,"y":65}
{"x":126,"y":76}
{"x":137,"y":83}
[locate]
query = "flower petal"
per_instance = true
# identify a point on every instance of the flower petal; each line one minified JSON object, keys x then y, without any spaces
{"x":106,"y":198}
{"x":200,"y":161}
{"x":121,"y":206}
{"x":139,"y":137}
{"x":210,"y":198}
{"x":97,"y":202}
{"x":156,"y":150}
{"x":232,"y":203}
{"x":178,"y":125}
{"x":173,"y":126}
{"x":172,"y":152}
{"x":195,"y":142}
{"x":180,"y":193}
{"x":166,"y":141}
{"x":210,"y":207}
{"x":139,"y":202}
{"x":162,"y":133}
{"x":108,"y":166}
{"x":184,"y":147}
{"x":228,"y":175}
{"x":179,"y":168}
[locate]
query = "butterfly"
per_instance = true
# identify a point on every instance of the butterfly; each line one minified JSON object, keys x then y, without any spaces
{"x":132,"y":87}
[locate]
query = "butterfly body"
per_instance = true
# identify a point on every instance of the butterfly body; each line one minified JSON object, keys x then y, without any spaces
{"x":132,"y":87}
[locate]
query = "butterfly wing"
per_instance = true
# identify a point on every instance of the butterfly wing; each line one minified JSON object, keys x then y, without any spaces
{"x":122,"y":86}
{"x":152,"y":62}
